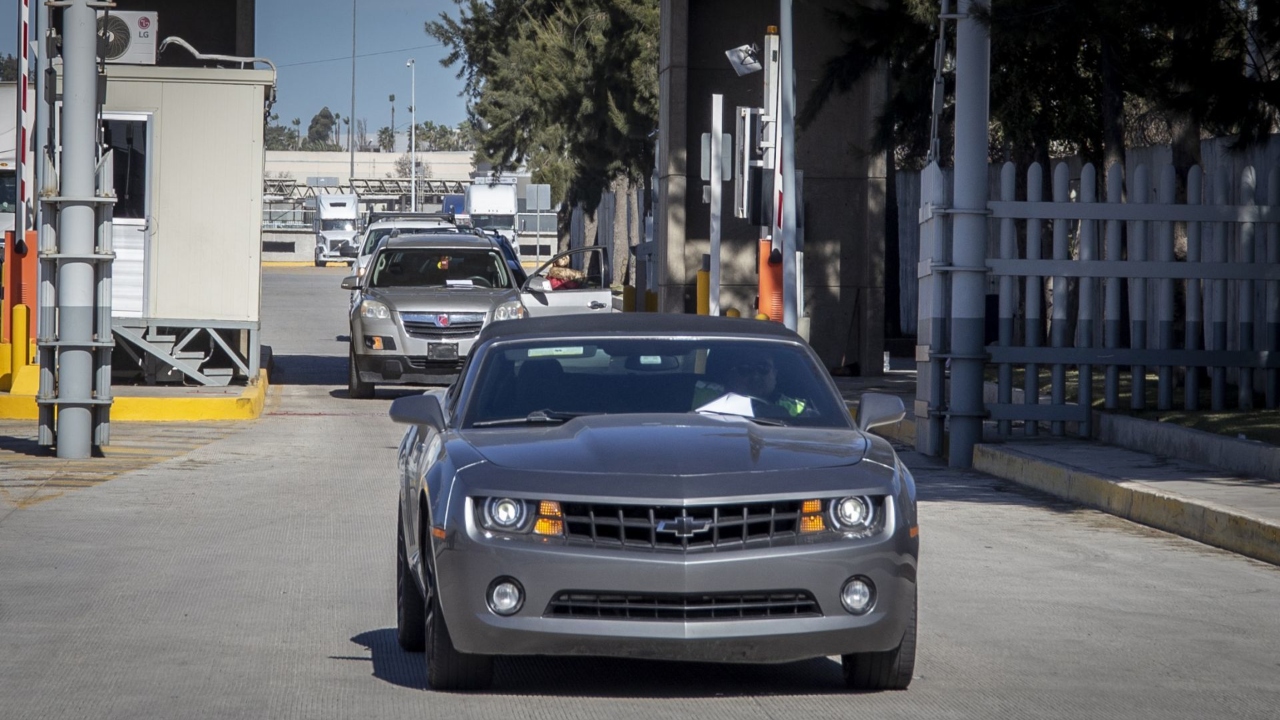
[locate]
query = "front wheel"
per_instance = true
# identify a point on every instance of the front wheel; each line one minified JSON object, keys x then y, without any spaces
{"x":888,"y":670}
{"x":356,"y":388}
{"x":448,"y":669}
{"x":410,"y":607}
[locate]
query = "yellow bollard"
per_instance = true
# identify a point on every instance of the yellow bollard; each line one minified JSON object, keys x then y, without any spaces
{"x":628,"y":298}
{"x":704,"y":292}
{"x":732,"y":312}
{"x":20,"y":348}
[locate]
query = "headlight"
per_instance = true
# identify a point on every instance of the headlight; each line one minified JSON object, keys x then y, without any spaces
{"x":374,"y":309}
{"x":509,"y":515}
{"x":853,"y":514}
{"x":509,"y":311}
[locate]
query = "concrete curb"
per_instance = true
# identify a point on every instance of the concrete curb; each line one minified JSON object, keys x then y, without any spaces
{"x":290,"y":263}
{"x":127,"y":408}
{"x":1239,"y":456}
{"x":1226,"y":528}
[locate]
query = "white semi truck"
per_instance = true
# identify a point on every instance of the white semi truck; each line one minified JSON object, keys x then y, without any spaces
{"x":337,"y":225}
{"x":492,"y":206}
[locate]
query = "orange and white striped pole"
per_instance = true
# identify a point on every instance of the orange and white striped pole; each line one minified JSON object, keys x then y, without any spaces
{"x":23,"y":124}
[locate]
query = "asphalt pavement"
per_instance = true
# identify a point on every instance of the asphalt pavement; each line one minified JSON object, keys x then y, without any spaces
{"x":246,"y":570}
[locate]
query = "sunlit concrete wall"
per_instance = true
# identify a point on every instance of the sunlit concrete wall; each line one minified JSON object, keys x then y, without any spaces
{"x":844,"y":182}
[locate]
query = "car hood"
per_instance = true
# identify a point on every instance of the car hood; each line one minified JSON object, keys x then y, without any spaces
{"x":418,"y":299}
{"x":666,"y":445}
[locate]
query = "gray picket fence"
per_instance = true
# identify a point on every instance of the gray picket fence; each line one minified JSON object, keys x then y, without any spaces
{"x":1124,"y":291}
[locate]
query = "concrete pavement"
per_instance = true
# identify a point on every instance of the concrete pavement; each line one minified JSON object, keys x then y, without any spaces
{"x":1161,"y":478}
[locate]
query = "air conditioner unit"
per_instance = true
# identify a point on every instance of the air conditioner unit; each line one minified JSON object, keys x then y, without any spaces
{"x":128,"y":37}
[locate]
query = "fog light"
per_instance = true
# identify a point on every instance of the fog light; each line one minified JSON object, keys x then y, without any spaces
{"x":505,"y":596}
{"x":857,"y":595}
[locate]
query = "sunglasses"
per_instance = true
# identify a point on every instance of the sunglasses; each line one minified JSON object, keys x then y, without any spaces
{"x":755,"y":368}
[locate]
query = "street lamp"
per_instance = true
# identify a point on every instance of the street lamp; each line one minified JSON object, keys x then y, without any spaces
{"x":413,"y":136}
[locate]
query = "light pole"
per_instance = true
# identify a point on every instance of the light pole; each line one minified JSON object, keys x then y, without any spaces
{"x":351,"y":146}
{"x":413,"y":136}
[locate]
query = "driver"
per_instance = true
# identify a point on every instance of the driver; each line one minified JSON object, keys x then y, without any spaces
{"x":751,"y":373}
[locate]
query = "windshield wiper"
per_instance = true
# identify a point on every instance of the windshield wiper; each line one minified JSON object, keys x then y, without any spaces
{"x":535,"y":417}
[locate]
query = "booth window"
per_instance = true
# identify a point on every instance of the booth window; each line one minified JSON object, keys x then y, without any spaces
{"x":128,"y":140}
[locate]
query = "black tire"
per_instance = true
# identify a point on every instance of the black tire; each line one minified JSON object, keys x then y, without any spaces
{"x":321,"y":263}
{"x":411,"y":608}
{"x":448,"y":669}
{"x":889,"y":670}
{"x":356,"y":388}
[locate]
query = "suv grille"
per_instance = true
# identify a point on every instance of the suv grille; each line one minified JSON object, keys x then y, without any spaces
{"x":681,"y":528}
{"x":652,"y":606}
{"x":439,"y":326}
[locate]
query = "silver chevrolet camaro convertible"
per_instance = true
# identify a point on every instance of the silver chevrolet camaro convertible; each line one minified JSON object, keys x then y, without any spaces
{"x":652,"y":486}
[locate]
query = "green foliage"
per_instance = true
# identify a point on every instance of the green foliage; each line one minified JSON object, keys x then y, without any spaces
{"x":567,"y":87}
{"x":386,"y":139}
{"x":320,"y":131}
{"x":1064,"y":76}
{"x":8,"y":68}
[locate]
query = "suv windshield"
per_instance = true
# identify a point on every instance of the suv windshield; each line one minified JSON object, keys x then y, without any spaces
{"x":375,"y":235}
{"x":554,"y":380}
{"x":439,"y":267}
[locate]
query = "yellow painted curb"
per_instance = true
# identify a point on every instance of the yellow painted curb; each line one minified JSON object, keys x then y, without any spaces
{"x":1229,"y":529}
{"x":248,"y":406}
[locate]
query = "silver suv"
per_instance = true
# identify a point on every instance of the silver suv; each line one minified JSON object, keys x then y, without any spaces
{"x":420,"y":305}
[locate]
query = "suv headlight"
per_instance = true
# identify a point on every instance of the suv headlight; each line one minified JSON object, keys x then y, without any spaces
{"x":512,"y":310}
{"x":373,"y":309}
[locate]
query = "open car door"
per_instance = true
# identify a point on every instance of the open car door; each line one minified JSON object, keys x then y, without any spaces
{"x":571,"y":282}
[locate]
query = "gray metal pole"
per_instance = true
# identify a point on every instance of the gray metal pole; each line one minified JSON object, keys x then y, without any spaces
{"x":717,"y":193}
{"x":351,"y":145}
{"x":968,"y":284}
{"x":77,"y":225}
{"x":788,"y":142}
{"x":413,"y":136}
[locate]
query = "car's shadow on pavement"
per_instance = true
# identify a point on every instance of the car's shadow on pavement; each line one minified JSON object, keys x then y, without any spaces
{"x":611,"y":677}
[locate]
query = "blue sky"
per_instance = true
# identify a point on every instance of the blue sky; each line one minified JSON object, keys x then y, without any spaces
{"x":310,"y":43}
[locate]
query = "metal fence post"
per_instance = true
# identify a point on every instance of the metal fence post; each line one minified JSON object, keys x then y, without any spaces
{"x":1034,"y":323}
{"x":1111,"y":322}
{"x":1008,"y":291}
{"x":1164,"y":289}
{"x":1139,"y":191}
{"x":969,"y":274}
{"x":1244,"y":389}
{"x":1085,"y":331}
{"x":1195,"y":308}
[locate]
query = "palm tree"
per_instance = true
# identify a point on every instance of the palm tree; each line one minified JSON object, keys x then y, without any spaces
{"x":393,"y":124}
{"x":297,"y":130}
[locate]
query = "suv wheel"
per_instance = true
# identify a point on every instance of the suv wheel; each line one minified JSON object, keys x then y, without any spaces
{"x":356,"y":388}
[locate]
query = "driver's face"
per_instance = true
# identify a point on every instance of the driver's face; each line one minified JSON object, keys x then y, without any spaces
{"x":752,"y":376}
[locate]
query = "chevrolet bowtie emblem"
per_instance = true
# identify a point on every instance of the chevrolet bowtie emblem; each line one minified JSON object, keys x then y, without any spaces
{"x":684,"y":526}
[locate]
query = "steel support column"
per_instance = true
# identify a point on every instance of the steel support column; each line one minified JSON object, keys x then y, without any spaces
{"x":968,"y":280}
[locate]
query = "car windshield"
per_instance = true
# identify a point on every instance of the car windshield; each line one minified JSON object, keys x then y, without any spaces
{"x":769,"y":382}
{"x":460,"y":268}
{"x":337,"y":225}
{"x":505,"y":222}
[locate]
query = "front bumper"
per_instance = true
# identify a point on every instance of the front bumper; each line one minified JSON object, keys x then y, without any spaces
{"x":384,"y":368}
{"x":466,"y":564}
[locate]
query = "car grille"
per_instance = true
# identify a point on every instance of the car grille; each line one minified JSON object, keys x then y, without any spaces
{"x":652,"y":606}
{"x":429,"y":327}
{"x":681,"y":528}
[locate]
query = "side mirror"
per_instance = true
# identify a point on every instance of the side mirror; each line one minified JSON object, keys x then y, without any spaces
{"x":418,"y":410}
{"x":879,"y":409}
{"x":538,"y":284}
{"x":350,"y":282}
